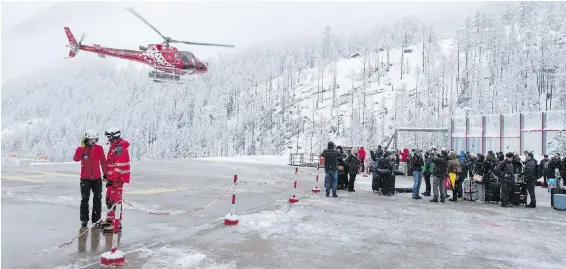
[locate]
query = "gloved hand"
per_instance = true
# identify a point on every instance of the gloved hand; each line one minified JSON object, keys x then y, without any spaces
{"x":109,"y":183}
{"x":105,"y":177}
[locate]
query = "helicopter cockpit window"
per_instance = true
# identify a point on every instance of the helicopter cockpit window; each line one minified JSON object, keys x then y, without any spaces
{"x":187,"y":57}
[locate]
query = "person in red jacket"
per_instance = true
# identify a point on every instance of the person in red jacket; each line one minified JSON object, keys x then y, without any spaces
{"x":118,"y":174}
{"x":404,"y":155}
{"x":362,"y":156}
{"x":92,"y":160}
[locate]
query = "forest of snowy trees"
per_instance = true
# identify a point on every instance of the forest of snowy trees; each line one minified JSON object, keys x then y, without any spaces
{"x":271,"y":100}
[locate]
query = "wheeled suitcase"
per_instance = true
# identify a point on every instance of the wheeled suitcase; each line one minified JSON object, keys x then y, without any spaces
{"x":492,"y":192}
{"x":384,"y":185}
{"x":388,"y":185}
{"x":559,"y":201}
{"x":470,"y":190}
{"x":376,"y":182}
{"x":553,"y":193}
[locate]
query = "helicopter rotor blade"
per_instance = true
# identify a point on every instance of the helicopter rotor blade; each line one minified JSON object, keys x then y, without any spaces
{"x":167,"y":39}
{"x":202,"y":44}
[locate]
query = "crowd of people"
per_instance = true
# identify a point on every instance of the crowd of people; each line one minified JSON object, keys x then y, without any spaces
{"x":495,"y":177}
{"x":341,"y":167}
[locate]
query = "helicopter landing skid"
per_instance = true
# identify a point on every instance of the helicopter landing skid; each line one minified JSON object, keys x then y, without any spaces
{"x":164,"y":77}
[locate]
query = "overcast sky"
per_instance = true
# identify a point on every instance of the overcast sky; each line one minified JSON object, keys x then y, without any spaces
{"x":244,"y":24}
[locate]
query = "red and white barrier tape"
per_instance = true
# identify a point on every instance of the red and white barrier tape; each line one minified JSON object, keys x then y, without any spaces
{"x":68,"y":243}
{"x":182,"y":212}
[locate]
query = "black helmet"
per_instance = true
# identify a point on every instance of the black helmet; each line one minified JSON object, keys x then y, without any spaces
{"x":509,"y":155}
{"x":331,"y":145}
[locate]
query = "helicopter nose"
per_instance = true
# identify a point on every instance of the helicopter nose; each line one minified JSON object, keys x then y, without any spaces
{"x":202,"y":67}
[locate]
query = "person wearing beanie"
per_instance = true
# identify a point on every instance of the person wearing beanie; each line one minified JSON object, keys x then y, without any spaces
{"x":544,"y":168}
{"x":331,"y":158}
{"x":531,"y":178}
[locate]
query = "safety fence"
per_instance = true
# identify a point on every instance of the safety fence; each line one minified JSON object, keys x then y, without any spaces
{"x":517,"y":132}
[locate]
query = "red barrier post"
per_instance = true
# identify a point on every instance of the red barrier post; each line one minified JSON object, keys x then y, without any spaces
{"x":115,"y":257}
{"x":315,"y":189}
{"x":294,"y":198}
{"x":231,"y":218}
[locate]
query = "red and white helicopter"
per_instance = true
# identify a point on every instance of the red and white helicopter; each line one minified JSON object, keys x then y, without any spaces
{"x":169,"y":63}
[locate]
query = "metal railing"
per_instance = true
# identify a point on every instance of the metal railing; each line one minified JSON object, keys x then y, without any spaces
{"x":304,"y":159}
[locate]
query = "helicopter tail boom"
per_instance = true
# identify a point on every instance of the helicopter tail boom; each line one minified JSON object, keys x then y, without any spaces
{"x":73,"y":44}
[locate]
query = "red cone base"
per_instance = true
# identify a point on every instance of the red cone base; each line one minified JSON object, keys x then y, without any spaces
{"x":293,"y":200}
{"x":231,"y":219}
{"x":231,"y":222}
{"x":112,"y":259}
{"x":315,"y":190}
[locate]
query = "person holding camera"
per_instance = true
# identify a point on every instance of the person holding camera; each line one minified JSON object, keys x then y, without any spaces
{"x":92,"y":160}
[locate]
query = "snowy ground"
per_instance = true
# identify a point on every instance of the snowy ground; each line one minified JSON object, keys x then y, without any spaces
{"x":355,"y":230}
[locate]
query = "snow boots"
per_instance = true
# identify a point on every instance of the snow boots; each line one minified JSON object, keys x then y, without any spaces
{"x":110,"y":229}
{"x":104,"y":224}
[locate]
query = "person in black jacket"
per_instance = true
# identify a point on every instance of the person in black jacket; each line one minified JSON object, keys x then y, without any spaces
{"x":427,"y":173}
{"x":417,"y":163}
{"x":471,"y":163}
{"x":500,"y":156}
{"x":331,"y":158}
{"x":505,"y":173}
{"x":438,"y":174}
{"x":531,"y":178}
{"x":543,"y":167}
{"x":553,"y":164}
{"x":481,"y":168}
{"x":353,"y":166}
